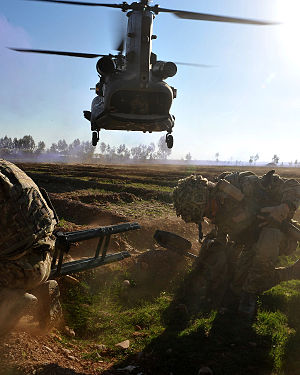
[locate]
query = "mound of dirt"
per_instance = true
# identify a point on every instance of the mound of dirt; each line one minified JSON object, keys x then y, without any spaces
{"x":104,"y":198}
{"x":82,"y":213}
{"x":58,"y":184}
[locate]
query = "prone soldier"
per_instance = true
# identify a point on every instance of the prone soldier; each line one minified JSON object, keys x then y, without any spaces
{"x":27,"y":221}
{"x":249,"y":214}
{"x":30,"y":252}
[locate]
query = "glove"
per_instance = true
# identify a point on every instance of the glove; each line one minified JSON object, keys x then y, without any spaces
{"x":277,"y":213}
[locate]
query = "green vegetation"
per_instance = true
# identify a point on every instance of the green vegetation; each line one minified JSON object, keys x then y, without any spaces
{"x":108,"y":312}
{"x":289,"y":259}
{"x":103,"y":313}
{"x":62,"y":223}
{"x":137,"y":209}
{"x":274,"y":326}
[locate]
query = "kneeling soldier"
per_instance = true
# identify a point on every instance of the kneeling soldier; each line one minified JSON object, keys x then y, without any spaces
{"x":250,"y":213}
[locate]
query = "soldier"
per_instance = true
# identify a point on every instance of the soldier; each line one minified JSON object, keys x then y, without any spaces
{"x":27,"y":221}
{"x":249,"y":214}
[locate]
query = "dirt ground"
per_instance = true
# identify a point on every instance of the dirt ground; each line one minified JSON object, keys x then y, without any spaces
{"x":86,"y":196}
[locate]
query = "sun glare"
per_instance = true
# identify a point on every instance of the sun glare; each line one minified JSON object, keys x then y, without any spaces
{"x":289,"y":32}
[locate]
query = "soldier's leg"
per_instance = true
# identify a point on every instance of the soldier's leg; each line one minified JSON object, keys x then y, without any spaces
{"x":288,"y":246}
{"x":261,"y":271}
{"x":36,"y":267}
{"x":211,"y":273}
{"x":241,"y":269}
{"x":16,"y":279}
{"x":49,"y":311}
{"x":13,"y":299}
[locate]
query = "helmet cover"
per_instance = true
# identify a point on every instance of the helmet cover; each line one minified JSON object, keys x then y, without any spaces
{"x":190,"y":198}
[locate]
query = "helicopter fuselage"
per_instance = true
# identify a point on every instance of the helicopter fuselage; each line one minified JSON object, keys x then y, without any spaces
{"x":134,"y":95}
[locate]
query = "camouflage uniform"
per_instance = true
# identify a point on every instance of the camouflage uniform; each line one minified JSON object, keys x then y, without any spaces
{"x":261,"y":246}
{"x":233,"y":204}
{"x":26,"y":239}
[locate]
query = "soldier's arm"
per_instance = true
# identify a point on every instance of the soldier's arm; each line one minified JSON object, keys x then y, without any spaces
{"x":291,"y":194}
{"x":288,"y":192}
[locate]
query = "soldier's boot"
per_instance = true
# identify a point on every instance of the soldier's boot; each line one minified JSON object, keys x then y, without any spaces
{"x":13,"y":305}
{"x":49,"y":311}
{"x":247,"y":305}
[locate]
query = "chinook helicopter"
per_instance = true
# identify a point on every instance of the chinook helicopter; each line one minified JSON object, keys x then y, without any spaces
{"x":132,"y":93}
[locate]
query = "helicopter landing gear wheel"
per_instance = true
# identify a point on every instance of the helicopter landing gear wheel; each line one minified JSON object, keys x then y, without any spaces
{"x":169,"y":140}
{"x":95,"y":138}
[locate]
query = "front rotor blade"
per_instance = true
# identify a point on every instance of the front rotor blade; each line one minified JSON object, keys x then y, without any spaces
{"x":213,"y":17}
{"x":195,"y":65}
{"x":82,"y":3}
{"x":61,"y":53}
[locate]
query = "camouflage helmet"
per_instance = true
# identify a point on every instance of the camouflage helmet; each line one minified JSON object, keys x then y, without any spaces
{"x":190,"y":198}
{"x":25,"y":216}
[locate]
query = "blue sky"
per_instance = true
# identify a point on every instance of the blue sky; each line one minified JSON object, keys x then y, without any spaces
{"x":249,"y":103}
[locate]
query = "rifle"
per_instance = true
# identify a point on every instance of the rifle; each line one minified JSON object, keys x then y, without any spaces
{"x":174,"y":242}
{"x":291,"y":230}
{"x":64,"y":240}
{"x":180,"y":245}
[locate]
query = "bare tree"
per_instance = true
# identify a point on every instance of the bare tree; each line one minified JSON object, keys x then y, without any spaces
{"x":163,"y":150}
{"x":53,"y":148}
{"x":62,"y":146}
{"x":40,"y":147}
{"x":6,"y":143}
{"x":121,"y":149}
{"x":26,"y":143}
{"x":102,"y":147}
{"x":188,"y":156}
{"x":275,"y":159}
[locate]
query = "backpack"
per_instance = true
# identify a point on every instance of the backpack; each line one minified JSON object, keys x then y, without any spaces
{"x":25,"y":215}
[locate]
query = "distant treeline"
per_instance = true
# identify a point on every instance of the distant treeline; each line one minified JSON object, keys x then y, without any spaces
{"x":26,"y":148}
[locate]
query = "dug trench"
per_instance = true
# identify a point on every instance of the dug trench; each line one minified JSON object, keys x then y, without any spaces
{"x":143,"y":277}
{"x":150,"y":267}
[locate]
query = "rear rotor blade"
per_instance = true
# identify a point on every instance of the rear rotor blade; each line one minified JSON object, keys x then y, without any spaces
{"x":61,"y":53}
{"x":120,"y":47}
{"x":195,"y":65}
{"x":212,"y":17}
{"x":118,"y":32}
{"x":83,"y":3}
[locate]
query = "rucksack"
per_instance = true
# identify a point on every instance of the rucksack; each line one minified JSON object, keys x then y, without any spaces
{"x":25,"y":216}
